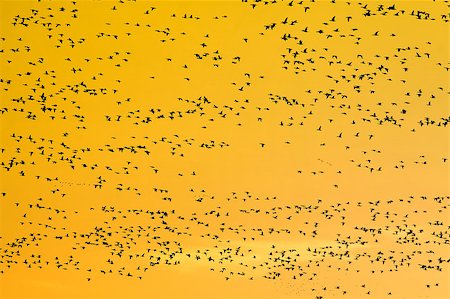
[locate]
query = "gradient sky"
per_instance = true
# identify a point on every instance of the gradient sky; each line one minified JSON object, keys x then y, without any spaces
{"x":224,"y":149}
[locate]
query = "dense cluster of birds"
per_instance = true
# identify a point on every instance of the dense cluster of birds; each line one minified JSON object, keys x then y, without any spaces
{"x":299,"y":142}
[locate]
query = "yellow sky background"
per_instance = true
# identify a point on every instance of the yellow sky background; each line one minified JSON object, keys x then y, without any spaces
{"x":234,"y":140}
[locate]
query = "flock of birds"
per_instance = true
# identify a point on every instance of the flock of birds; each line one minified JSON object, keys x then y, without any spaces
{"x":301,"y":145}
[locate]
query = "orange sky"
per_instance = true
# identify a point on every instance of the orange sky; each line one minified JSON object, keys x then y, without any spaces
{"x":224,"y":149}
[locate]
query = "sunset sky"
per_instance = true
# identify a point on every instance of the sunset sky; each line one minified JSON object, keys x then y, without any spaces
{"x":224,"y":149}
